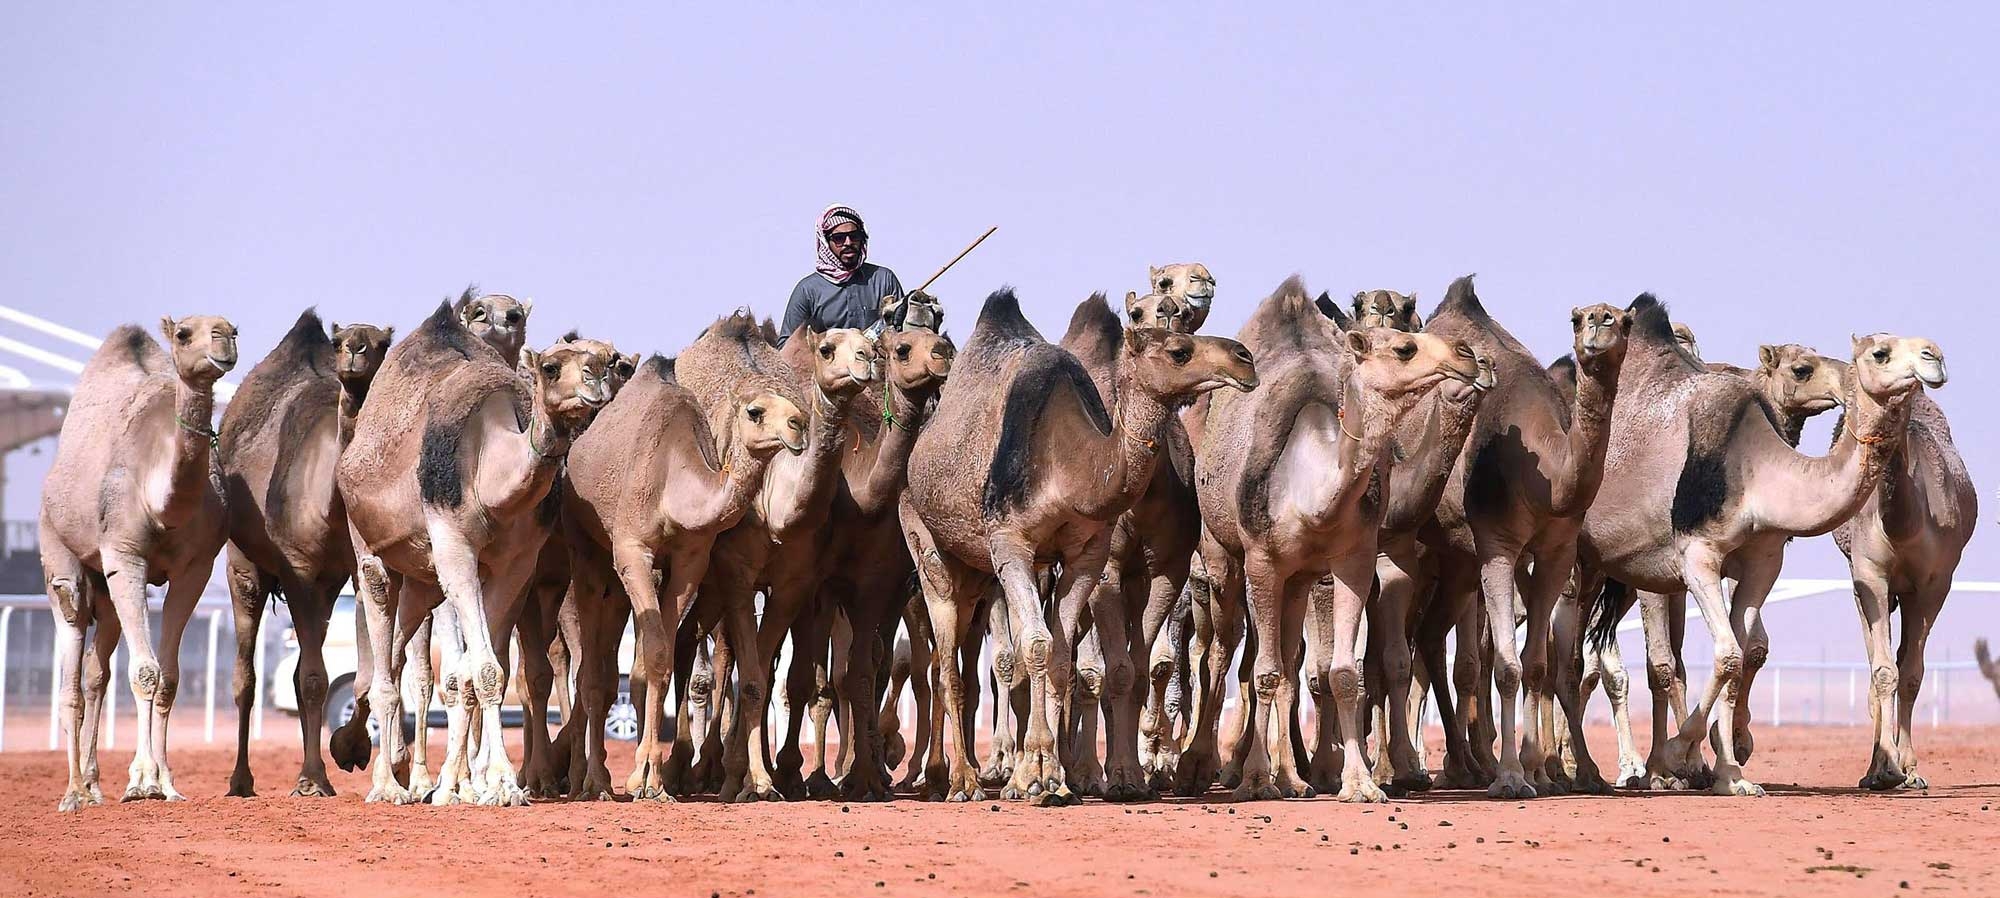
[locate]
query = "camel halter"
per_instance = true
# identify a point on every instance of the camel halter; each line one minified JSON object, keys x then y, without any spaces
{"x":1865,"y":441}
{"x":1340,"y":420}
{"x":214,"y":438}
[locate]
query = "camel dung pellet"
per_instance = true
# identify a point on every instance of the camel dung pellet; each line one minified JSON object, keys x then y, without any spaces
{"x":1482,"y":840}
{"x":879,"y":883}
{"x":1322,"y":837}
{"x":1665,"y":839}
{"x":1392,"y":818}
{"x":1353,"y":851}
{"x":843,"y":809}
{"x":1232,"y":812}
{"x":840,"y":854}
{"x":1444,"y":823}
{"x":993,"y":807}
{"x":1212,"y":874}
{"x":1451,"y":844}
{"x":1298,"y":829}
{"x":1656,"y":869}
{"x":1903,"y":884}
{"x":1403,"y":825}
{"x":930,"y":876}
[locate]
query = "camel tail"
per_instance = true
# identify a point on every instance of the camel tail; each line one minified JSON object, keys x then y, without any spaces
{"x":1044,"y":371}
{"x":1606,"y":611}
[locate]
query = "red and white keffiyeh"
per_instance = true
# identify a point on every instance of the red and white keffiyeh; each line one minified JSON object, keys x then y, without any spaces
{"x":828,"y":264}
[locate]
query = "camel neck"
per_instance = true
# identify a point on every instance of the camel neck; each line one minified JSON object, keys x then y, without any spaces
{"x":1417,"y":482}
{"x":1138,"y":432}
{"x":1573,"y":485}
{"x":195,"y":440}
{"x":886,"y":461}
{"x":351,"y":396}
{"x":732,"y":490}
{"x":1363,"y":448}
{"x":804,"y":500}
{"x":1809,"y":496}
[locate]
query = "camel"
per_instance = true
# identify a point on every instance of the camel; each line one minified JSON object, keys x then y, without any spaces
{"x":1797,"y":383}
{"x":1987,"y":667}
{"x":1684,"y":335}
{"x":1700,"y":485}
{"x":279,"y":441}
{"x":133,"y":498}
{"x":1024,"y":465}
{"x":444,"y":483}
{"x":777,"y":547}
{"x":867,"y":567}
{"x":1386,"y":308}
{"x":1146,"y":568}
{"x":648,"y":489}
{"x":1290,"y":494}
{"x":1531,"y":466}
{"x":1187,"y":283}
{"x":1904,"y":545}
{"x":1426,"y":445}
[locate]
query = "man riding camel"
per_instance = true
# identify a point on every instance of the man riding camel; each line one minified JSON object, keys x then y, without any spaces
{"x":844,"y":290}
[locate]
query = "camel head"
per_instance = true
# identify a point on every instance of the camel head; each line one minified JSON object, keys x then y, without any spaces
{"x":768,"y":422}
{"x":1161,"y":311}
{"x":843,"y":360}
{"x":358,"y":350}
{"x":501,"y":321}
{"x":918,"y":360}
{"x":1800,"y":380}
{"x":1188,"y":282}
{"x":203,"y":347}
{"x":1400,"y":365}
{"x":1179,"y":367}
{"x":919,"y":310}
{"x":570,"y":380}
{"x":623,"y":365}
{"x":1463,"y":391}
{"x":1601,"y":330}
{"x":1387,"y":308}
{"x":1887,"y":366}
{"x":1684,"y":336}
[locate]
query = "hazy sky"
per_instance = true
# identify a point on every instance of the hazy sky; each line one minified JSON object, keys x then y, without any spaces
{"x":1776,"y":176}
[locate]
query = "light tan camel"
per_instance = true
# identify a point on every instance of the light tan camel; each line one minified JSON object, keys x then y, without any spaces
{"x":1700,"y":485}
{"x":1797,"y":383}
{"x":280,"y":439}
{"x":1904,"y":545}
{"x":1684,"y":335}
{"x":648,"y":489}
{"x":1386,"y":308}
{"x":133,"y":498}
{"x":1187,"y":283}
{"x":776,"y":548}
{"x":1426,"y":445}
{"x":1023,"y":465}
{"x":1531,"y":466}
{"x":867,"y":566}
{"x":452,"y":458}
{"x":1290,"y":494}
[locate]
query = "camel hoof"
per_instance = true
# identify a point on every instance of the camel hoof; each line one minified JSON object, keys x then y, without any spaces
{"x":1883,"y":780}
{"x":1510,"y":786}
{"x":1362,"y":792}
{"x":444,"y":798}
{"x":1053,"y":798}
{"x":1010,"y":793}
{"x":350,"y":748}
{"x":819,"y":785}
{"x":1410,"y":783}
{"x":242,"y":786}
{"x":310,"y":788}
{"x":72,"y":802}
{"x":1915,"y":783}
{"x":757,"y":793}
{"x":1632,"y":774}
{"x":1122,"y":793}
{"x":1589,"y":782}
{"x":389,"y":794}
{"x":1739,"y":788}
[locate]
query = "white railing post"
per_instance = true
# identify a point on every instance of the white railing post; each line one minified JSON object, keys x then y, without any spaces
{"x":208,"y":718}
{"x":55,"y":688}
{"x":1850,"y":697}
{"x":263,"y":684}
{"x":1777,"y":689}
{"x":6,"y":617}
{"x":109,"y":707}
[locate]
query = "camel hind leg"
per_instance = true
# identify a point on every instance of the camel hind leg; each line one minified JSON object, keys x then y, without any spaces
{"x":247,"y":597}
{"x":70,"y":597}
{"x":1920,"y":611}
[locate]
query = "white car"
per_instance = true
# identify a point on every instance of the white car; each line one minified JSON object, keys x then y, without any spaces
{"x":622,"y":723}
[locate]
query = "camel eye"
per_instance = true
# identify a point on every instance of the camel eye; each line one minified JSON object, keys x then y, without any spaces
{"x":183,"y":335}
{"x":1881,"y":356}
{"x":1464,"y":351}
{"x":1138,"y":315}
{"x":479,"y":313}
{"x":1406,"y":351}
{"x":1802,"y":372}
{"x":625,"y":369}
{"x":826,"y":350}
{"x":551,"y":369}
{"x":903,"y":353}
{"x":1181,"y":355}
{"x":755,"y":414}
{"x":1166,"y":284}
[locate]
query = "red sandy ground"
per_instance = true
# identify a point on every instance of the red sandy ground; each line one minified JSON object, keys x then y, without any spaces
{"x":1819,"y":836}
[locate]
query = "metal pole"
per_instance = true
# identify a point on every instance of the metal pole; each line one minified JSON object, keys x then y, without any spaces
{"x":954,"y":260}
{"x":208,"y":718}
{"x":6,"y":617}
{"x":1850,"y":696}
{"x":1777,"y":687}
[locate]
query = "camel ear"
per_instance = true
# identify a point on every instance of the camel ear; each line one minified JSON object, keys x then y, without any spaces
{"x":1152,"y":275}
{"x":1409,"y":306}
{"x":628,"y":364}
{"x":1767,"y":357}
{"x":527,"y":306}
{"x":1624,"y":322}
{"x":1358,"y":343}
{"x":333,"y":327}
{"x":1576,"y":320}
{"x":1857,"y":344}
{"x":1359,"y":296}
{"x":1131,"y":299}
{"x":388,"y":333}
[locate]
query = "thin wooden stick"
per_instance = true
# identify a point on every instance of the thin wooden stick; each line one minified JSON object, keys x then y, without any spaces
{"x":954,"y":259}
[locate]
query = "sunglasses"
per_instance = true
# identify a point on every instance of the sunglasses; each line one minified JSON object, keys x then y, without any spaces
{"x":856,"y":237}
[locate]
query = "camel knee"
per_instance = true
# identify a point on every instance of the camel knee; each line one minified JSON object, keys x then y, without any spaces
{"x":1090,"y":678}
{"x":1535,"y":674}
{"x":1507,"y":676}
{"x":1035,"y":652}
{"x":1003,"y":666}
{"x":1882,"y":681}
{"x":1729,"y":664}
{"x":375,"y":575}
{"x":312,"y":688}
{"x":452,"y":687}
{"x":488,"y":683}
{"x":146,"y":680}
{"x":67,"y":601}
{"x":1266,"y":684}
{"x":1616,"y":683}
{"x":1118,"y":679}
{"x":1754,"y":655}
{"x":1345,"y":683}
{"x":1661,"y":675}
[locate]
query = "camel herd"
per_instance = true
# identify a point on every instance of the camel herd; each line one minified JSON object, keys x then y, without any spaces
{"x":1118,"y":515}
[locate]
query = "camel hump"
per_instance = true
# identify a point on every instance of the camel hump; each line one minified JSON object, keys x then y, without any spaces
{"x":661,"y":367}
{"x":1650,"y":319}
{"x":1045,"y":371}
{"x":1460,"y":299}
{"x":1001,"y":321}
{"x":1095,"y":332}
{"x":1332,"y":311}
{"x":442,"y":333}
{"x":129,"y":346}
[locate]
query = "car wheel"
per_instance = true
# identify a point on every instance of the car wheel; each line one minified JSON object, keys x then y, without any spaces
{"x":340,"y":707}
{"x":622,"y":721}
